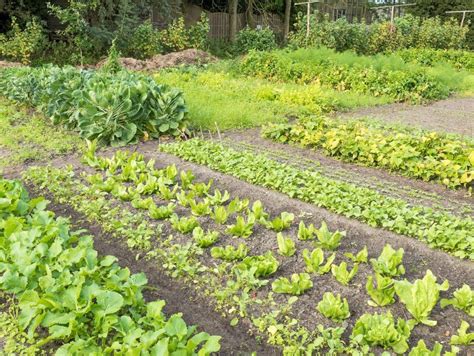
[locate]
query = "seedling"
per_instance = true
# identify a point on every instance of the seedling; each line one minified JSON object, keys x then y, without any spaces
{"x":286,"y":246}
{"x":334,"y":307}
{"x":315,"y":261}
{"x":299,"y":283}
{"x":203,"y":239}
{"x":341,"y":273}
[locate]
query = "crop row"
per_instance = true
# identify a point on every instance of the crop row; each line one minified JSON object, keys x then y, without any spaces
{"x":113,"y":108}
{"x":413,"y":83}
{"x":424,"y":155}
{"x":439,"y":230}
{"x":130,"y":178}
{"x":67,"y":294}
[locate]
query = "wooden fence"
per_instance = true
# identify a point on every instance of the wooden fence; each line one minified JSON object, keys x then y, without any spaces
{"x":219,"y":21}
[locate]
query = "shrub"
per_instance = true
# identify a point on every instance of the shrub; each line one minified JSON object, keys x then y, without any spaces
{"x":113,"y":108}
{"x":255,"y":39}
{"x":144,"y":42}
{"x":177,"y":38}
{"x":21,"y":45}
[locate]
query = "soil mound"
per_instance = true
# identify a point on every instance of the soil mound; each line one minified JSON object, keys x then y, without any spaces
{"x":186,"y":57}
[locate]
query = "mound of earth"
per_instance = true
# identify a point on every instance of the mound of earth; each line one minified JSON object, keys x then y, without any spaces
{"x":186,"y":57}
{"x":7,"y":64}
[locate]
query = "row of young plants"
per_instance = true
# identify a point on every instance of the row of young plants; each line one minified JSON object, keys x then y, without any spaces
{"x":419,"y":154}
{"x":412,"y":83}
{"x":110,"y":106}
{"x":252,"y":272}
{"x":68,"y":295}
{"x":430,"y":57}
{"x":439,"y":230}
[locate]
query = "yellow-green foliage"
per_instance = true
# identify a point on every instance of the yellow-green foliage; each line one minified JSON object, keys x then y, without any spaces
{"x":19,"y":44}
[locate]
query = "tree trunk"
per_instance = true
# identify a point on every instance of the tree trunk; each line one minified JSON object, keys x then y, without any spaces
{"x":286,"y":29}
{"x":233,"y":19}
{"x":250,"y":18}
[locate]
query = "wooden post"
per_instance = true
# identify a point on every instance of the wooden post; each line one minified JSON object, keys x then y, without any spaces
{"x":463,"y":12}
{"x":308,"y":13}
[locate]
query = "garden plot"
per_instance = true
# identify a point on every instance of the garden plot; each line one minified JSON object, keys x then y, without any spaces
{"x":124,"y":199}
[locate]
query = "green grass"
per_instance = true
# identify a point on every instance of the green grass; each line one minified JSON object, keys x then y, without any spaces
{"x":215,"y":97}
{"x":26,"y":136}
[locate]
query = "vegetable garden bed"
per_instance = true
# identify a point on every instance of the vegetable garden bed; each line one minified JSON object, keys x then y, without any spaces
{"x":247,"y":298}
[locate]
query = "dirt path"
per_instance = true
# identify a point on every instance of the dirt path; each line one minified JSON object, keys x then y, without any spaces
{"x":414,"y":191}
{"x":454,"y":115}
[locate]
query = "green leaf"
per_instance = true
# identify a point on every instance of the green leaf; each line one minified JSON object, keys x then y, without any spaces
{"x":110,"y":302}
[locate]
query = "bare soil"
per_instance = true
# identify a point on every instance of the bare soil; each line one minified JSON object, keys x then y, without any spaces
{"x":453,"y":115}
{"x":186,"y":57}
{"x":7,"y":64}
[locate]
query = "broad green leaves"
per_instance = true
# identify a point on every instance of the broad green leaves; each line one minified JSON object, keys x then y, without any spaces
{"x":297,"y":285}
{"x":341,"y":273}
{"x":389,"y":262}
{"x":334,"y":307}
{"x":421,"y":296}
{"x":286,"y":246}
{"x":384,"y":292}
{"x":463,"y":299}
{"x":315,"y":262}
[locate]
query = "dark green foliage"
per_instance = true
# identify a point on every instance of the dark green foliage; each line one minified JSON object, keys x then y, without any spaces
{"x":251,"y":39}
{"x":113,"y":108}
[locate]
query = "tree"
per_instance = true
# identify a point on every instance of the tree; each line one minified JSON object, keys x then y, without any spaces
{"x":432,"y":8}
{"x":233,"y":5}
{"x":286,"y":24}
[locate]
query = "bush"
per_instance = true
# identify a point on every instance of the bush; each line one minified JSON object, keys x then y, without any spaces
{"x":379,"y":37}
{"x":430,"y":57}
{"x":177,"y":38}
{"x":22,"y":45}
{"x":144,"y":42}
{"x":255,"y":39}
{"x":113,"y":108}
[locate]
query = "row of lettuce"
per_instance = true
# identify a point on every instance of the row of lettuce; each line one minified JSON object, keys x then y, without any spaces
{"x":437,"y":229}
{"x":113,"y":107}
{"x":420,"y":154}
{"x":178,"y":201}
{"x":69,"y":296}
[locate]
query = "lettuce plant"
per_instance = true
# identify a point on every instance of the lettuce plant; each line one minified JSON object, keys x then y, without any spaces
{"x":463,"y":299}
{"x":360,"y":257}
{"x":143,"y":204}
{"x":184,"y":224}
{"x":263,"y":265}
{"x":220,"y":215}
{"x":315,"y":261}
{"x":421,"y":296}
{"x":200,"y":208}
{"x":306,"y":232}
{"x":242,"y":228}
{"x":187,"y":178}
{"x":230,"y":253}
{"x":334,"y":307}
{"x":166,"y":193}
{"x":237,"y":205}
{"x":383,"y":294}
{"x":161,"y":212}
{"x":184,"y":198}
{"x":341,"y":273}
{"x":258,"y":211}
{"x":422,"y":350}
{"x":328,"y":240}
{"x":381,"y":330}
{"x":463,"y":337}
{"x":201,"y":189}
{"x":218,"y":198}
{"x":281,"y":222}
{"x":299,"y":283}
{"x":205,"y":239}
{"x":389,"y":263}
{"x":286,"y":246}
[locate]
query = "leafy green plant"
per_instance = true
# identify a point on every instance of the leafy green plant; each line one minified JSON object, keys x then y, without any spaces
{"x":381,"y":330}
{"x":334,"y":307}
{"x":299,"y":283}
{"x":463,"y":299}
{"x":463,"y":337}
{"x":315,"y":261}
{"x":306,"y":232}
{"x":258,"y":211}
{"x":383,"y":294}
{"x":281,"y":222}
{"x":184,"y":198}
{"x":203,"y":239}
{"x":166,"y":193}
{"x":161,"y":212}
{"x":187,"y":178}
{"x":183,"y":224}
{"x":230,"y":253}
{"x":421,"y":296}
{"x":218,"y":198}
{"x":200,"y":208}
{"x":360,"y":257}
{"x":328,"y":240}
{"x":242,"y":228}
{"x":389,"y":263}
{"x":341,"y":273}
{"x":286,"y":246}
{"x":255,"y":39}
{"x":220,"y":215}
{"x":237,"y":205}
{"x":143,"y":204}
{"x":262,"y":265}
{"x":201,"y":189}
{"x":422,"y":350}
